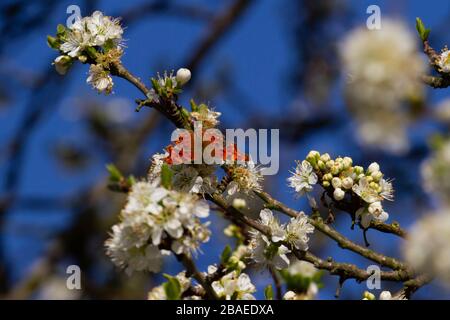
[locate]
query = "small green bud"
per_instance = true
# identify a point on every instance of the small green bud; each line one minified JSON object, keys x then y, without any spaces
{"x":368,"y":296}
{"x":326,"y":184}
{"x":330,"y":164}
{"x":377,"y":175}
{"x":321,"y":165}
{"x":348,"y":162}
{"x":358,"y":169}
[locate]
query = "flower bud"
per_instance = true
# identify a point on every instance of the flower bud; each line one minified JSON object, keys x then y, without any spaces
{"x":347,"y":183}
{"x":321,"y":165}
{"x":326,"y":184}
{"x":290,"y":295}
{"x":347,"y":162}
{"x":369,"y":296}
{"x":312,"y":157}
{"x":327,"y":176}
{"x":325,"y":157}
{"x":376,"y":175}
{"x":374,"y":167}
{"x":338,"y":194}
{"x":385,"y":295}
{"x":62,"y":64}
{"x":358,"y":169}
{"x":239,"y":204}
{"x":183,"y":76}
{"x":330,"y":164}
{"x":336,"y":182}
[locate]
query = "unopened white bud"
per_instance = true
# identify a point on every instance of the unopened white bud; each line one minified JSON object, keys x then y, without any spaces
{"x":290,"y":295}
{"x":385,"y":295}
{"x":338,"y":194}
{"x":62,"y":64}
{"x":239,"y":203}
{"x":347,"y":183}
{"x":183,"y":76}
{"x":336,"y":182}
{"x":374,"y":167}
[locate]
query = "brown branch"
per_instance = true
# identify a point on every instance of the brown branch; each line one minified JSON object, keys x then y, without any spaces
{"x":341,"y":240}
{"x":343,"y":270}
{"x":191,"y":269}
{"x":276,"y":282}
{"x":436,"y":82}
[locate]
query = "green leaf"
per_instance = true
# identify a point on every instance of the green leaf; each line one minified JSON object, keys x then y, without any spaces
{"x":60,"y":29}
{"x":226,"y":254}
{"x":166,"y":176}
{"x":423,"y":32}
{"x":131,"y":180}
{"x":194,"y":106}
{"x":268,"y":292}
{"x":172,"y":288}
{"x":52,"y":42}
{"x":114,"y":174}
{"x":108,"y":45}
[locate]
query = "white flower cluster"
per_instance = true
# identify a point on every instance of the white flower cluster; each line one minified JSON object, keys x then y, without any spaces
{"x":88,"y":35}
{"x":427,"y":248}
{"x":340,"y":177}
{"x":152,"y":215}
{"x":384,"y":68}
{"x":269,"y":250}
{"x":444,"y":61}
{"x":436,"y":172}
{"x":93,"y":31}
{"x":234,"y":286}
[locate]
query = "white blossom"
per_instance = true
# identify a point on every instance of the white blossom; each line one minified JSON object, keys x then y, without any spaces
{"x":127,"y":251}
{"x":276,"y":230}
{"x":297,"y":231}
{"x":206,"y":116}
{"x":245,"y":178}
{"x":100,"y":79}
{"x":365,"y":191}
{"x":444,"y":61}
{"x":387,"y":190}
{"x":234,"y":286}
{"x":436,"y":173}
{"x":303,"y":178}
{"x":383,"y":69}
{"x":427,"y":247}
{"x":95,"y":30}
{"x":265,"y":252}
{"x":373,"y":211}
